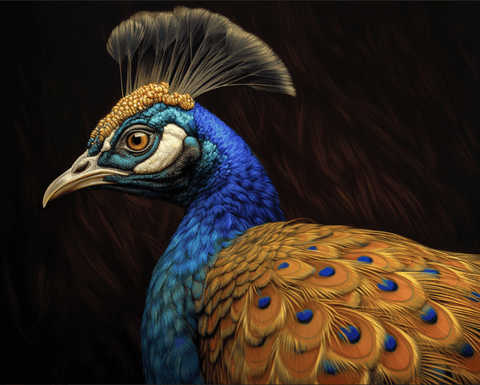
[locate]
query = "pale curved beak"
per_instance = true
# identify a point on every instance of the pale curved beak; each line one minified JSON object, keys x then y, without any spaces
{"x":85,"y":172}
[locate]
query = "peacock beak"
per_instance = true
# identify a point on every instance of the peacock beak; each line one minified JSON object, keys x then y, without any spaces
{"x":85,"y":172}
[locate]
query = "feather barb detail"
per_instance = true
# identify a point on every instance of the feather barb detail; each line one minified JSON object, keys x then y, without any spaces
{"x":194,"y":51}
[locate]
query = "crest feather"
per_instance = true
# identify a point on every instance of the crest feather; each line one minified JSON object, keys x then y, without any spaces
{"x":195,"y":51}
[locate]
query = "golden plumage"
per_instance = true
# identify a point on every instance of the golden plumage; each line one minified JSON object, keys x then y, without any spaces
{"x":251,"y":330}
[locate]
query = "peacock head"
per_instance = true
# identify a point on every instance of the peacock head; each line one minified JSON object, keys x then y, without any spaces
{"x":153,"y":144}
{"x":148,"y":145}
{"x":161,"y":144}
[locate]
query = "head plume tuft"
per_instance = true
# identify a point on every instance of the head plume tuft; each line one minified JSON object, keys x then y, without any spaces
{"x":194,"y":51}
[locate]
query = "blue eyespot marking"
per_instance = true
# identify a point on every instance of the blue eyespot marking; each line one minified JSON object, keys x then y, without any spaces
{"x":466,"y":351}
{"x":431,"y":271}
{"x":365,"y":259}
{"x":429,"y":315}
{"x":387,"y":285}
{"x":352,"y":334}
{"x":264,"y":302}
{"x":329,"y":367}
{"x":312,"y":248}
{"x":283,"y":265}
{"x":326,"y":272}
{"x":304,"y":317}
{"x":390,"y":343}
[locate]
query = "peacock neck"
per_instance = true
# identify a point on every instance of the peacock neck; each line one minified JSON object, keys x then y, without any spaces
{"x":214,"y":219}
{"x":231,"y":193}
{"x":169,"y":325}
{"x":237,"y":195}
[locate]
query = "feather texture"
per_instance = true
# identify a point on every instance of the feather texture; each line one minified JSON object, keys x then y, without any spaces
{"x":305,"y":303}
{"x":195,"y":51}
{"x":276,"y":302}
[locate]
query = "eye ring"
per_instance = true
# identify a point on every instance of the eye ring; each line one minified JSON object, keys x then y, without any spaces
{"x":137,"y":141}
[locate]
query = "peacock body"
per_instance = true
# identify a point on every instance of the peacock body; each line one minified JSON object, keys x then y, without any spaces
{"x":240,"y":295}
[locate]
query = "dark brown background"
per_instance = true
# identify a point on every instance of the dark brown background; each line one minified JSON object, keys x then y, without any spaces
{"x":384,"y":134}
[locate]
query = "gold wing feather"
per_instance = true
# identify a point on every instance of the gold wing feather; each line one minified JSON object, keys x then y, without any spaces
{"x":305,"y":303}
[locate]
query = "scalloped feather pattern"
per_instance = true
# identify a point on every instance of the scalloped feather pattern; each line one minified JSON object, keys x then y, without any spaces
{"x":305,"y":303}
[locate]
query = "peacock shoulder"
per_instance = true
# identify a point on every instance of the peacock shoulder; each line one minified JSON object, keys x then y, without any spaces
{"x":306,"y":303}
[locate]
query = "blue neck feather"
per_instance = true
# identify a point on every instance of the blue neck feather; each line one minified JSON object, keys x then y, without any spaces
{"x":232,"y":194}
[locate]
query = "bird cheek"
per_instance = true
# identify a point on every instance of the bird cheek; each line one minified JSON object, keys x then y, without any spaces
{"x":170,"y":148}
{"x":117,"y":160}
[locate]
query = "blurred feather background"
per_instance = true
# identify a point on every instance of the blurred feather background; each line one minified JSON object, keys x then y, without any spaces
{"x":383,"y":134}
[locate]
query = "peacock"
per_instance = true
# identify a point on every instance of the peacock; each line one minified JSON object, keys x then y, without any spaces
{"x":240,"y":295}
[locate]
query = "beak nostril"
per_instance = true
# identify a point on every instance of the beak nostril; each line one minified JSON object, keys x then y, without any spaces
{"x":81,"y":167}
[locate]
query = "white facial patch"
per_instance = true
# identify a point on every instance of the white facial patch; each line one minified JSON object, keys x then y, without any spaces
{"x":106,"y":142}
{"x":168,"y":151}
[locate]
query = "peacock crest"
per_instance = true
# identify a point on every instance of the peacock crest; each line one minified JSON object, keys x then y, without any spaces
{"x":182,"y":54}
{"x":195,"y":51}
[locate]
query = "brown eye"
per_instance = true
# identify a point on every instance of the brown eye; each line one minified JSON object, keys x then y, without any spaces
{"x":137,"y":141}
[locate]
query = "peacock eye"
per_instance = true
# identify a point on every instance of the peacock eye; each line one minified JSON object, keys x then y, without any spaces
{"x":137,"y":141}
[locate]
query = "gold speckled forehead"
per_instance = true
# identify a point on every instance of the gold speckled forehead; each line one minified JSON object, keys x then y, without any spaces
{"x":139,"y":100}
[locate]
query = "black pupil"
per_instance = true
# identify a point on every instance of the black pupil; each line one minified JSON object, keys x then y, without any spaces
{"x":137,"y":139}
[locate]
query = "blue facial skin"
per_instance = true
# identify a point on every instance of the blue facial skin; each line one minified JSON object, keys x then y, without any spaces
{"x":223,"y":190}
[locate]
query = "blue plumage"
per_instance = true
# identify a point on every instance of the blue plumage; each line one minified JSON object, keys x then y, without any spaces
{"x":264,"y":302}
{"x":387,"y":285}
{"x":305,"y":316}
{"x":221,"y":207}
{"x":429,"y":315}
{"x":364,"y":259}
{"x":326,"y":272}
{"x":329,"y":367}
{"x":475,"y":297}
{"x":466,"y":350}
{"x":352,"y":334}
{"x":390,"y":343}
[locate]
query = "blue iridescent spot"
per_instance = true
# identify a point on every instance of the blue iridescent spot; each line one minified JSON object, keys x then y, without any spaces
{"x":352,"y":334}
{"x":431,"y":271}
{"x":387,"y":285}
{"x":283,"y":265}
{"x":264,"y":302}
{"x":466,"y":350}
{"x":298,"y":350}
{"x":179,"y":342}
{"x":304,"y":317}
{"x":365,"y":259}
{"x":312,"y":248}
{"x":439,"y":373}
{"x":329,"y":367}
{"x":390,"y":343}
{"x":429,"y":315}
{"x":326,"y":272}
{"x":475,"y":298}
